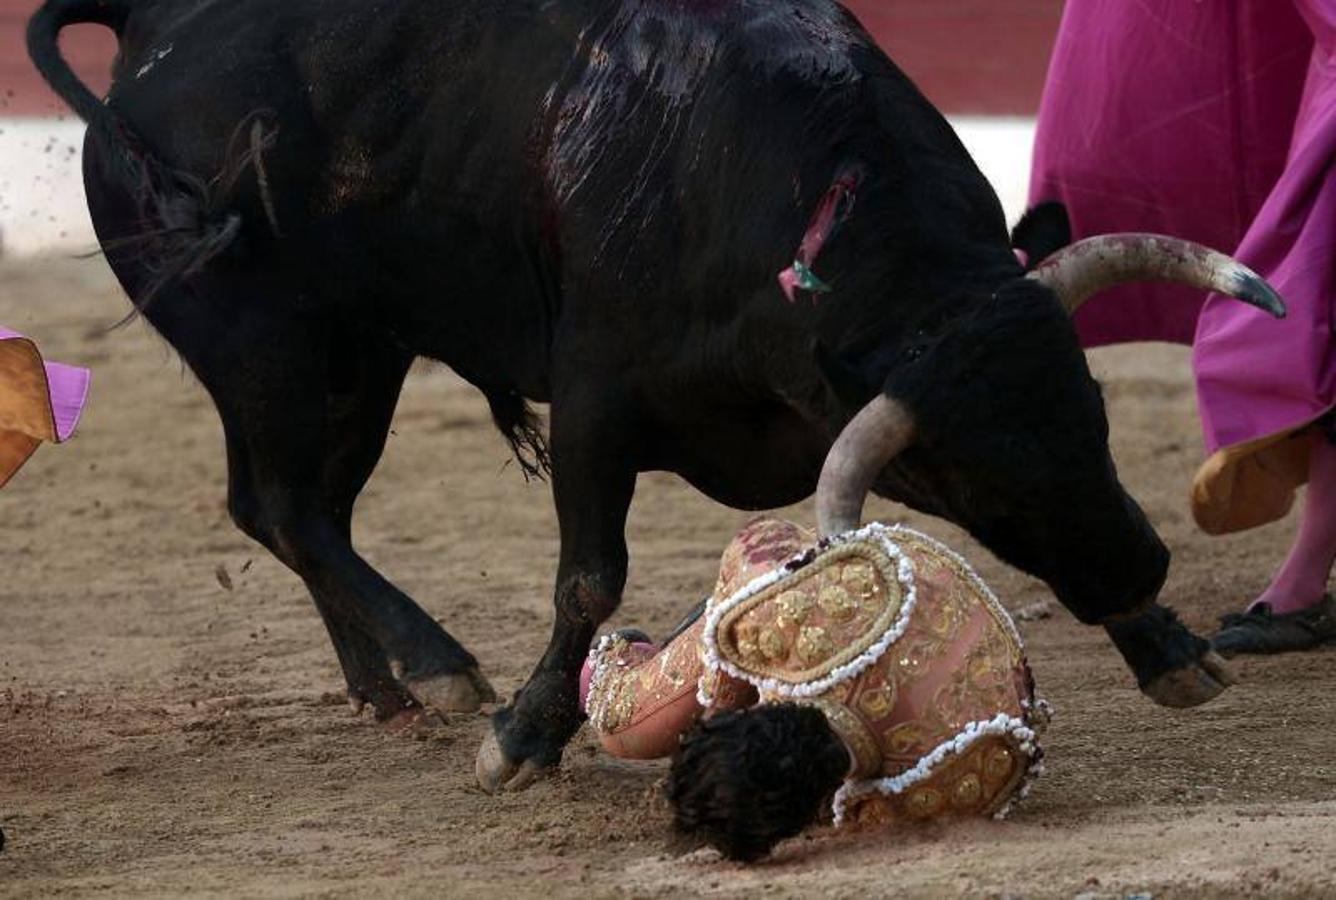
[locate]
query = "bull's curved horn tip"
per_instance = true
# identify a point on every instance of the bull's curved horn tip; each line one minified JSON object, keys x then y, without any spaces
{"x":1253,"y":289}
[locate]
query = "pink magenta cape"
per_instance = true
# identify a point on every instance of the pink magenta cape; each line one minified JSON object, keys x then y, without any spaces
{"x":1213,"y":120}
{"x":39,"y":401}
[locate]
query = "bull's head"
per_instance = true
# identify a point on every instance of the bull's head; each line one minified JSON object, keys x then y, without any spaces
{"x":998,"y":425}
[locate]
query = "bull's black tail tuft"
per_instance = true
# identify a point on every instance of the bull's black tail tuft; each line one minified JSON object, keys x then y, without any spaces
{"x":523,"y":431}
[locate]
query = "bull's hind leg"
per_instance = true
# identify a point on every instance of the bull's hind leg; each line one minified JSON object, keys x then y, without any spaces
{"x":364,"y":387}
{"x":366,"y":384}
{"x":306,"y":411}
{"x":365,"y":379}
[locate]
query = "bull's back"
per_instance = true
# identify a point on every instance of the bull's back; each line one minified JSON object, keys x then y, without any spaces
{"x":473,"y":172}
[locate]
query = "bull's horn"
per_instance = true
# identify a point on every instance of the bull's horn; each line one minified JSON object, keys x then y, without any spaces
{"x":866,"y":446}
{"x":1078,"y":271}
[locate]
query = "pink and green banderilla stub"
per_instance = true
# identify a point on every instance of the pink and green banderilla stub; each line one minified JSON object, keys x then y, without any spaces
{"x":831,"y":212}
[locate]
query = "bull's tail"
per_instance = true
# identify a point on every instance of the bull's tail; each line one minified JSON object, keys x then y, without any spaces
{"x":184,"y":221}
{"x":43,"y":48}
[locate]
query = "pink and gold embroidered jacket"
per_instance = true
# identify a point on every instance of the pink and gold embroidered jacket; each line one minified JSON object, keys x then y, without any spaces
{"x":913,"y":661}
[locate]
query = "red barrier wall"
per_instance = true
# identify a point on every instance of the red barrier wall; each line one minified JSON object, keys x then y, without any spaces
{"x":89,"y":47}
{"x":969,"y":56}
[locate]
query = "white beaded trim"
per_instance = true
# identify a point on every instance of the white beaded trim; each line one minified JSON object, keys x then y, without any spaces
{"x":1001,"y":725}
{"x":702,"y":694}
{"x":596,"y":706}
{"x":714,"y":662}
{"x":1037,"y":714}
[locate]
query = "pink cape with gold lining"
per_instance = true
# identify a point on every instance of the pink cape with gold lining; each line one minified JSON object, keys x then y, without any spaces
{"x":39,"y":401}
{"x":1212,"y":120}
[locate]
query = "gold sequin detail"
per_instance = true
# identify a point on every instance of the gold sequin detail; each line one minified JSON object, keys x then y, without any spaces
{"x":980,"y":667}
{"x":929,"y":555}
{"x":908,"y":737}
{"x":968,"y":792}
{"x":924,"y":802}
{"x":747,"y":635}
{"x":814,"y":645}
{"x":795,"y":603}
{"x":999,"y":764}
{"x":771,"y":643}
{"x":877,"y":702}
{"x":836,"y":602}
{"x":670,"y":669}
{"x":859,"y":579}
{"x":794,"y":607}
{"x":874,"y":810}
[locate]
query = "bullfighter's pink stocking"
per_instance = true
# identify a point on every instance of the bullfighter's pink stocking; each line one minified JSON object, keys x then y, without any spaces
{"x":1302,"y":578}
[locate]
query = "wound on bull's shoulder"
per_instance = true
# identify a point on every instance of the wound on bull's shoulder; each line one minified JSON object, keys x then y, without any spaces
{"x":832,"y":211}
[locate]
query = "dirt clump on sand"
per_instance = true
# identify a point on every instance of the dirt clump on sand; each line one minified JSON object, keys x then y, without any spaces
{"x":172,"y":716}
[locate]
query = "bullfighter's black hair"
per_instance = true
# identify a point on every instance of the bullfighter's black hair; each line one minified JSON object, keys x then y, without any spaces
{"x":1043,"y":230}
{"x":744,"y":780}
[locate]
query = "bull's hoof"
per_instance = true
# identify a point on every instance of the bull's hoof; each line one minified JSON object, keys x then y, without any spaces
{"x":497,"y":773}
{"x":461,"y":692}
{"x":1191,"y":685}
{"x":387,"y":699}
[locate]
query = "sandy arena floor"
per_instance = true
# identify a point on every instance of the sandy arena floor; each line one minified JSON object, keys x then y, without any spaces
{"x":160,"y":734}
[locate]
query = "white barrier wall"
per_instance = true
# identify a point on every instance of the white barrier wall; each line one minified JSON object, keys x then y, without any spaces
{"x":1002,"y":148}
{"x":41,"y":187}
{"x":42,"y":204}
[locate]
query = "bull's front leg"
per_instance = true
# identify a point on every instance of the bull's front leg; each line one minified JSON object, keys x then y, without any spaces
{"x":593,"y":479}
{"x":1173,"y":666}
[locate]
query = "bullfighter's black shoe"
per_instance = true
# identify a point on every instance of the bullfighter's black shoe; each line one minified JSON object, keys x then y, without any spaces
{"x":1262,"y":631}
{"x":632,"y":636}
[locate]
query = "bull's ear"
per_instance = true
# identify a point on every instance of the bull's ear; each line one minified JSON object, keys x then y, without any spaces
{"x":843,"y":379}
{"x":1042,"y":231}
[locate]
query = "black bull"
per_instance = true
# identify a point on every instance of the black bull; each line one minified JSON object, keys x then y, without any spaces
{"x":586,"y":203}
